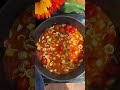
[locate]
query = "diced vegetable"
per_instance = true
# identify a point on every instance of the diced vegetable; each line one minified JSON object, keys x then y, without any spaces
{"x":22,"y":55}
{"x":39,"y":53}
{"x":29,"y":73}
{"x":99,"y":63}
{"x":19,"y":27}
{"x":101,"y":23}
{"x":32,"y":35}
{"x":67,"y":27}
{"x":30,"y":26}
{"x":80,"y":42}
{"x":38,"y":47}
{"x":72,"y":30}
{"x":81,"y":55}
{"x":63,"y":62}
{"x":32,"y":82}
{"x":61,"y":47}
{"x":44,"y":61}
{"x":21,"y":67}
{"x":48,"y":40}
{"x":73,"y":6}
{"x":10,"y":52}
{"x":65,"y":51}
{"x":109,"y":49}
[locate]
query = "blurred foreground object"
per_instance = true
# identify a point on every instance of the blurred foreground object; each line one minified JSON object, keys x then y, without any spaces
{"x":44,"y":8}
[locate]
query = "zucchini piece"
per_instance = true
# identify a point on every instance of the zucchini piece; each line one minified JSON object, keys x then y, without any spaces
{"x":31,"y":35}
{"x":30,"y":26}
{"x":72,"y":6}
{"x":75,"y":5}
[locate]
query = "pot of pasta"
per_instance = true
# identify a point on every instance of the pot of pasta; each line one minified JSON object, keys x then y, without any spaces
{"x":60,"y":48}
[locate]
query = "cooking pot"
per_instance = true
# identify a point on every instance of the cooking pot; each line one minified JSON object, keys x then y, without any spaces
{"x":62,"y":19}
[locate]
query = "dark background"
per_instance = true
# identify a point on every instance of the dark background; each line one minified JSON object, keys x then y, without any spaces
{"x":2,"y":2}
{"x":3,"y":85}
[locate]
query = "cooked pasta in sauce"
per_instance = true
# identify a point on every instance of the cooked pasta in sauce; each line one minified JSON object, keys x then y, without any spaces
{"x":101,"y":67}
{"x":60,"y":49}
{"x":19,"y":55}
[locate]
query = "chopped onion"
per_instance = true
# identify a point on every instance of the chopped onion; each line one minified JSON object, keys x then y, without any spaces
{"x":19,"y":27}
{"x":63,"y":62}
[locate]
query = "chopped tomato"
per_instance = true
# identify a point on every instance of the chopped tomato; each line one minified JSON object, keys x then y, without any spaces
{"x":22,"y":83}
{"x":39,"y":53}
{"x":67,"y":27}
{"x":90,"y":10}
{"x":80,"y":42}
{"x":72,"y":30}
{"x":44,"y":61}
{"x":61,"y":30}
{"x":45,"y":33}
{"x":75,"y":60}
{"x":57,"y":27}
{"x":61,"y":47}
{"x":81,"y":55}
{"x":72,"y":51}
{"x":49,"y":51}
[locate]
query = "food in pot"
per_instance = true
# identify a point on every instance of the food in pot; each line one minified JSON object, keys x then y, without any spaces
{"x":60,"y":49}
{"x":101,"y":65}
{"x":20,"y":51}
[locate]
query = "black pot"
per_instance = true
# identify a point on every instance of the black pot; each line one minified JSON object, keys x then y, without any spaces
{"x":47,"y":24}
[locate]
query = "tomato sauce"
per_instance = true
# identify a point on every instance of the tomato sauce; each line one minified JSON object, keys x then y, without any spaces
{"x":59,"y":48}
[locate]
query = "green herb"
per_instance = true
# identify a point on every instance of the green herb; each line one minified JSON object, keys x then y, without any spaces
{"x":65,"y":51}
